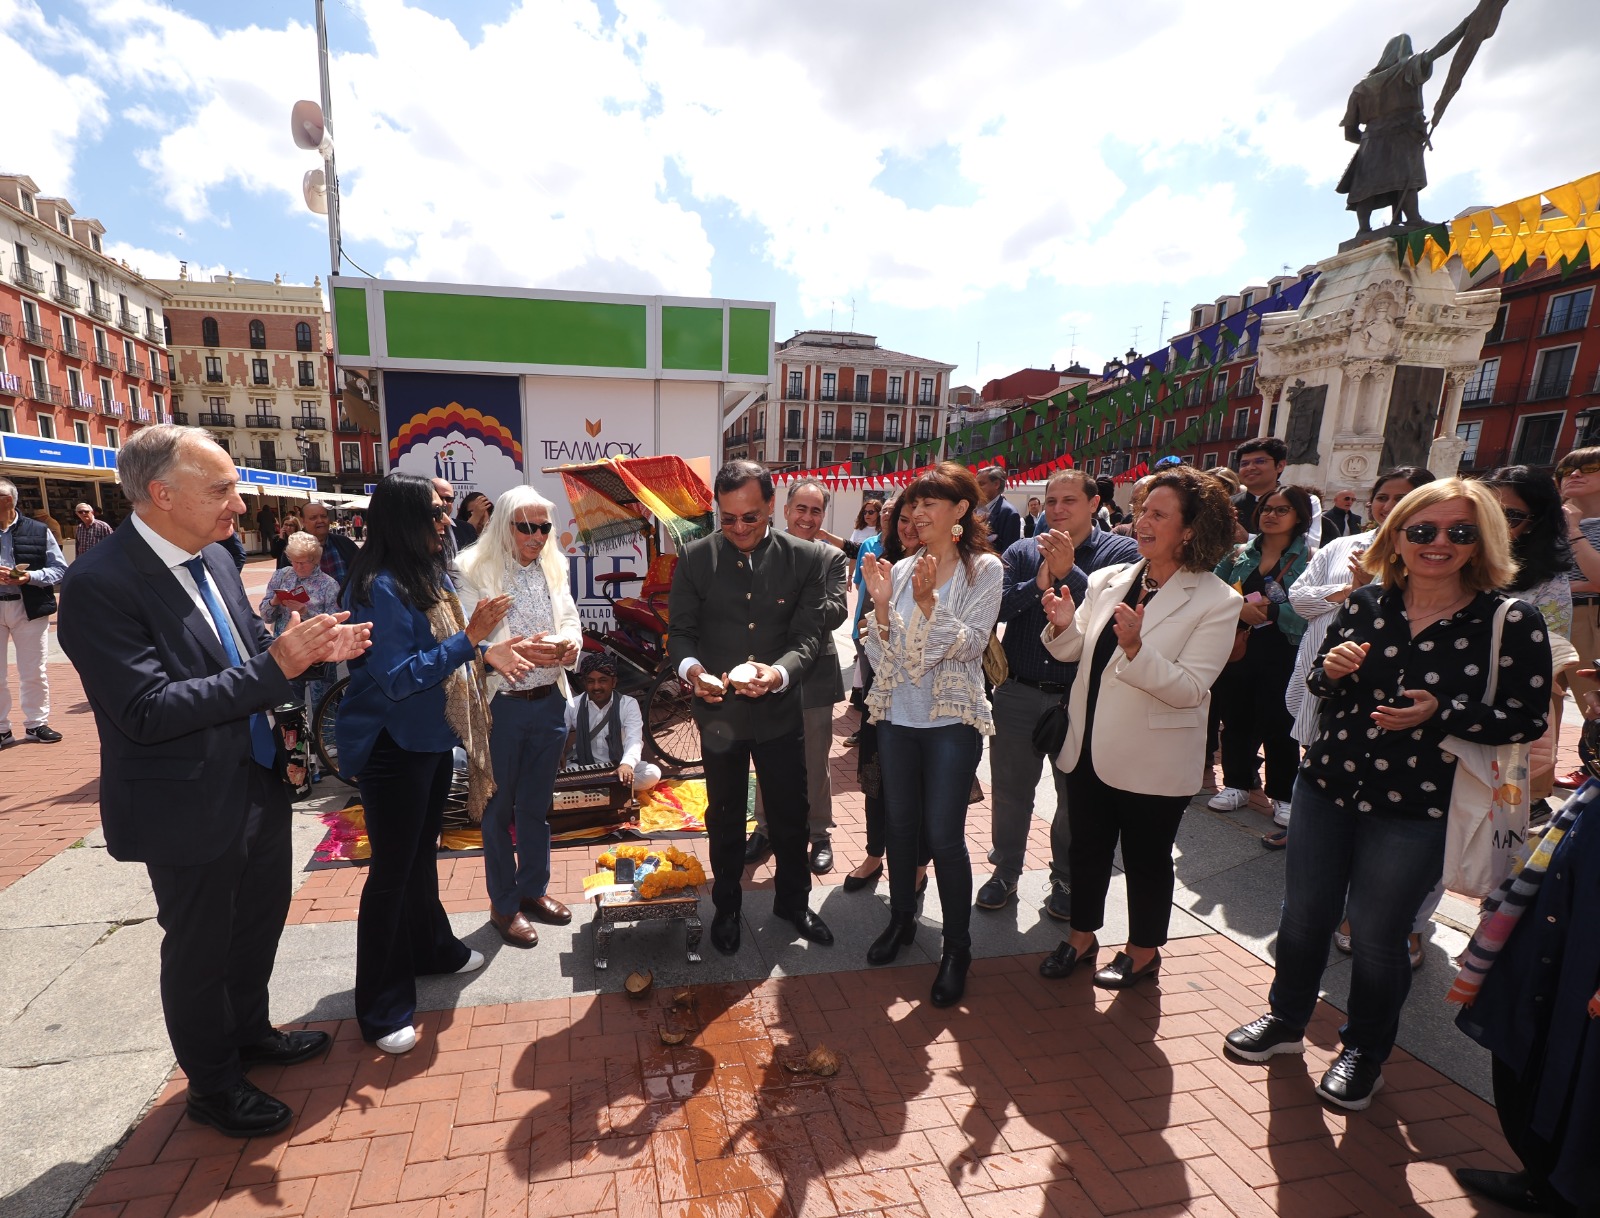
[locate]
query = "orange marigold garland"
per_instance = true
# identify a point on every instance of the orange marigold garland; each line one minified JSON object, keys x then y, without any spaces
{"x":673,"y":870}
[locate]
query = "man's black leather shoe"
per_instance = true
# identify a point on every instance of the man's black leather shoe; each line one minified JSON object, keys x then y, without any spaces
{"x":1352,"y":1080}
{"x":808,"y":926}
{"x":242,"y":1111}
{"x":821,"y":856}
{"x":284,"y":1048}
{"x":756,"y":847}
{"x":951,"y":983}
{"x":1511,"y":1189}
{"x":725,"y":933}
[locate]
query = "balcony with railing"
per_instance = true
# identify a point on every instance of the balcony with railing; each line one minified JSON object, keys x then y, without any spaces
{"x":40,"y":391}
{"x":80,"y":401}
{"x":310,"y":422}
{"x":127,"y":320}
{"x":758,"y":434}
{"x":263,"y":421}
{"x":38,"y":336}
{"x":213,"y":419}
{"x":72,"y":348}
{"x":24,"y":278}
{"x":104,"y":358}
{"x":158,"y":375}
{"x":66,"y":295}
{"x":135,"y":368}
{"x":347,"y":426}
{"x":280,"y":464}
{"x":99,"y":308}
{"x":180,"y":417}
{"x":316,"y":465}
{"x":155,"y":334}
{"x":110,"y":407}
{"x":5,"y":325}
{"x":213,"y":376}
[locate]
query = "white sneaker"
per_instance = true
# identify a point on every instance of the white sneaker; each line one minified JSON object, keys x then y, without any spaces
{"x":402,"y":1041}
{"x":473,"y":964}
{"x":1227,"y":799}
{"x":1280,"y":812}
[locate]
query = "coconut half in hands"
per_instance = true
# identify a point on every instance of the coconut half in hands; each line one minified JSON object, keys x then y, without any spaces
{"x":743,"y":674}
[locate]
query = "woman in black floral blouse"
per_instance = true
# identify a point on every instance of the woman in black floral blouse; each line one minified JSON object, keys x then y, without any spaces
{"x":1405,"y":664}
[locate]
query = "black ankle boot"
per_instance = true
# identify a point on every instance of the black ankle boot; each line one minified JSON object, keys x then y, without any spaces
{"x":951,"y":983}
{"x":902,"y":930}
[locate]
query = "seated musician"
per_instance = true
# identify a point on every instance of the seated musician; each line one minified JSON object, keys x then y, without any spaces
{"x":605,"y":728}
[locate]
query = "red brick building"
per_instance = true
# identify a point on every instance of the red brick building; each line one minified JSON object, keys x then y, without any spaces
{"x":82,"y":353}
{"x":1536,"y":394}
{"x":841,"y":397}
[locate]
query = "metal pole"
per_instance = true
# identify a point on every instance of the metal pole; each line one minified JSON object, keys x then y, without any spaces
{"x":329,"y":171}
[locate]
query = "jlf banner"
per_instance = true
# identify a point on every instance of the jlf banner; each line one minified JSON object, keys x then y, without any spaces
{"x":464,"y":429}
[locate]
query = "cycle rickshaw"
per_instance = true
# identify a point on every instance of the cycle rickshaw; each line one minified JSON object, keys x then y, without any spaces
{"x":616,"y":502}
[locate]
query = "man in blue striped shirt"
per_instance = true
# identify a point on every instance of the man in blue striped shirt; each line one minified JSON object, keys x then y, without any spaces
{"x":1060,"y":555}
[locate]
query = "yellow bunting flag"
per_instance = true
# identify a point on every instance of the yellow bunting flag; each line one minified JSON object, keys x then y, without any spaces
{"x":1589,"y":191}
{"x":1567,"y":199}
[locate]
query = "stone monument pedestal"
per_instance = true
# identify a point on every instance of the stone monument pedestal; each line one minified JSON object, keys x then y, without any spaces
{"x":1368,"y":373}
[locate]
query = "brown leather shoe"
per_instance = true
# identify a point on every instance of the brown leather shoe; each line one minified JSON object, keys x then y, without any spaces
{"x":514,"y":928}
{"x":547,"y":909}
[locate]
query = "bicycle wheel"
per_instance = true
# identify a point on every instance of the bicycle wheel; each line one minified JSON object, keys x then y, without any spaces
{"x":324,"y":726}
{"x":668,"y":724}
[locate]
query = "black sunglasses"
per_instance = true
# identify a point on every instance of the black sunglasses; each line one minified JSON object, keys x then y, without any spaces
{"x":439,"y":513}
{"x":1516,"y":516}
{"x":747,"y":518}
{"x":528,"y":528}
{"x":1459,"y":534}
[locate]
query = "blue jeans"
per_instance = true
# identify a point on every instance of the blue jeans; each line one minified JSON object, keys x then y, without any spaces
{"x":1387,"y":865}
{"x":927,"y":777}
{"x":525,"y":746}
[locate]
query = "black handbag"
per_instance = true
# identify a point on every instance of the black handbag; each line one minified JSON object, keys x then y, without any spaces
{"x":1050,"y":732}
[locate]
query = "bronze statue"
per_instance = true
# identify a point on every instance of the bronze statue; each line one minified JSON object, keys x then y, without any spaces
{"x":1385,"y":119}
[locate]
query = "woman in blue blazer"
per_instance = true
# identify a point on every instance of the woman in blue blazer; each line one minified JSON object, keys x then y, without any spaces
{"x":411,"y":700}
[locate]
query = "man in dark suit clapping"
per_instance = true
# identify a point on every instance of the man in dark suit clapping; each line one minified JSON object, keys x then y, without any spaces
{"x":750,"y":595}
{"x":180,"y":673}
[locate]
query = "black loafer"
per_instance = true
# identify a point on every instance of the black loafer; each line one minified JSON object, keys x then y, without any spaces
{"x":757,"y":847}
{"x":855,"y":883}
{"x":1064,"y":959}
{"x":284,"y":1048}
{"x":242,"y":1111}
{"x":821,"y":857}
{"x":995,"y":894}
{"x":1120,"y":973}
{"x":725,"y":933}
{"x":808,"y":926}
{"x":1511,"y":1189}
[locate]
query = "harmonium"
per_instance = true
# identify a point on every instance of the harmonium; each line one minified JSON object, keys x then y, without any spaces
{"x":589,"y":797}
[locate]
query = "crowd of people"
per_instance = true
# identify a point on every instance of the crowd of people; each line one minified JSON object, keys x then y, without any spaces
{"x":1331,"y":662}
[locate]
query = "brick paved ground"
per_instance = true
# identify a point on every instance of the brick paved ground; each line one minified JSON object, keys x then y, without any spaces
{"x":1031,"y":1099}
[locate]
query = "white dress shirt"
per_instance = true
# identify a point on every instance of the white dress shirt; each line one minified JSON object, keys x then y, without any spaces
{"x":174,"y":557}
{"x":600,"y":736}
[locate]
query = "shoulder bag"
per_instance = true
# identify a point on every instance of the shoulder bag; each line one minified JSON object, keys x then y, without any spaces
{"x":1488,"y":800}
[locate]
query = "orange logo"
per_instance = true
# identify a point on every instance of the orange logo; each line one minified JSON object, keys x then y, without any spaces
{"x":593,"y":428}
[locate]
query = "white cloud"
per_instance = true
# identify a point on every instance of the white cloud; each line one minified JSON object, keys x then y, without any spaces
{"x":1092,"y":151}
{"x":52,"y":113}
{"x":164,"y":264}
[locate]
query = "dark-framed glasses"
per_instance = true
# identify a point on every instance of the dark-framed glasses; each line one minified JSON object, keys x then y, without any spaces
{"x":1516,"y":517}
{"x":1277,"y":509}
{"x":1590,"y":467}
{"x":528,"y":527}
{"x":1458,"y":534}
{"x":728,"y":522}
{"x":440,"y":513}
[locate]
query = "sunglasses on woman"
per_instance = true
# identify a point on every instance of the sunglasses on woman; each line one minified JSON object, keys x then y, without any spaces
{"x":1593,"y":467}
{"x":1459,"y":534}
{"x":440,"y":513}
{"x":1516,"y":516}
{"x":528,"y":528}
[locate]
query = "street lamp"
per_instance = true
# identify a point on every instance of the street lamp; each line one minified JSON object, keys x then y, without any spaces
{"x":303,"y":443}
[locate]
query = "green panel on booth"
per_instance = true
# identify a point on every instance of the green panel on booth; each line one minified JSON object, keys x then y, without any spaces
{"x":691,"y":338}
{"x":350,"y":316}
{"x":514,"y":330}
{"x":749,"y":341}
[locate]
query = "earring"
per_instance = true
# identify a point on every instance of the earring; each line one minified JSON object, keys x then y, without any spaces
{"x":955,"y":532}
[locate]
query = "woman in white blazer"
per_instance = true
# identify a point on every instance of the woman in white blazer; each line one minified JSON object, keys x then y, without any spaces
{"x":514,"y":557}
{"x":1151,"y":637}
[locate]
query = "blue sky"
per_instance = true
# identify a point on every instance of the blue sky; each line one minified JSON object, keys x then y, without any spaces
{"x":1037,"y":179}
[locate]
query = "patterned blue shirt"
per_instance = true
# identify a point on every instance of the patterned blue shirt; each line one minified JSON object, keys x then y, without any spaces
{"x":1020,"y":600}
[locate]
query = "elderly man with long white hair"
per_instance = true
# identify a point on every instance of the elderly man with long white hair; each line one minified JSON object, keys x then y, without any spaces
{"x":514,"y":556}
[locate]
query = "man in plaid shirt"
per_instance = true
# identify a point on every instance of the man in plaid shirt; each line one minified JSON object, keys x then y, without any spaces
{"x":91,"y":532}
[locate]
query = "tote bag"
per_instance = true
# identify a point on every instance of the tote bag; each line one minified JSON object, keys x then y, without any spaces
{"x":1488,"y":801}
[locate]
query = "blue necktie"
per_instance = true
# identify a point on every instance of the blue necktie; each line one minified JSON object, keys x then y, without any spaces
{"x":262,"y":745}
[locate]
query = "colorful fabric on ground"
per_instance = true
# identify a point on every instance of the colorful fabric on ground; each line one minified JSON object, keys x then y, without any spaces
{"x":677,"y":806}
{"x":1503,"y":907}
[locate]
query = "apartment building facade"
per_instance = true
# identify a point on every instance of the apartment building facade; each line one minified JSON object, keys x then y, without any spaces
{"x":1536,"y":392}
{"x":253,"y":365}
{"x":83,"y":360}
{"x":841,"y":397}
